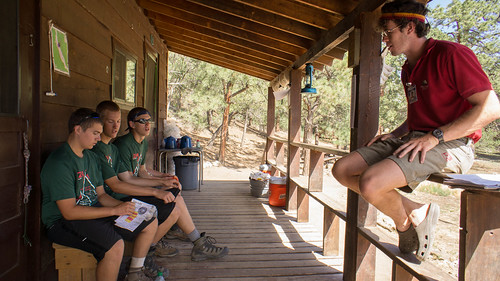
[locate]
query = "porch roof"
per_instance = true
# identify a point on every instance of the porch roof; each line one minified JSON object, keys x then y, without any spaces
{"x":260,"y":38}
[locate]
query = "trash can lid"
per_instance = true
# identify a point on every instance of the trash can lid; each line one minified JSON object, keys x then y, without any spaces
{"x":188,"y":157}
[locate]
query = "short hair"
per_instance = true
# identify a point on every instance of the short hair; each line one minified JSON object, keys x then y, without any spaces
{"x":107,"y":105}
{"x":136,"y":111}
{"x":406,"y":6}
{"x":83,"y":117}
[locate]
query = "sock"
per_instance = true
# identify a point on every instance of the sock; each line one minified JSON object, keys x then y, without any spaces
{"x":136,"y":264}
{"x":194,"y":235}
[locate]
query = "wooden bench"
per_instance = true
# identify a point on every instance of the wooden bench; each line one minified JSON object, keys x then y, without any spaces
{"x":74,"y":264}
{"x":77,"y":265}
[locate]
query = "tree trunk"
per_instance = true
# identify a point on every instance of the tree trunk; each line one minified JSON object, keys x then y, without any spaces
{"x":225,"y":120}
{"x":244,"y":129}
{"x":311,"y":106}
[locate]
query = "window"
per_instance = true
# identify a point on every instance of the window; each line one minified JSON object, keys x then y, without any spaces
{"x":151,"y":85}
{"x":124,"y":76}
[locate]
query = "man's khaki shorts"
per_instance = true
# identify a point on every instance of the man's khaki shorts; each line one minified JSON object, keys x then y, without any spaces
{"x":455,"y":156}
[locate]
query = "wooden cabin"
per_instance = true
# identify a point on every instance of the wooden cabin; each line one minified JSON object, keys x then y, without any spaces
{"x":118,"y":49}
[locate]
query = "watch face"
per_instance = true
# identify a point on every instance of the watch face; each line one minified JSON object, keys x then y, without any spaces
{"x":438,"y":134}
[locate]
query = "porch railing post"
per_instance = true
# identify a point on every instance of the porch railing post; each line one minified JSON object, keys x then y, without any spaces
{"x":271,"y":123}
{"x":294,"y":117}
{"x":359,"y":256}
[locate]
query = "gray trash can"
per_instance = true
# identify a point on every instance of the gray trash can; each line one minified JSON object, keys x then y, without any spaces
{"x":186,"y":169}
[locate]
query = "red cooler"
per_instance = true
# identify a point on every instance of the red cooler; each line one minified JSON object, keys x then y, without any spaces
{"x":277,"y":191}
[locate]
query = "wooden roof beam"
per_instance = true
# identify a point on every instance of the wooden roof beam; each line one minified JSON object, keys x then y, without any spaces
{"x":235,"y":58}
{"x":220,"y":48}
{"x":296,"y":11}
{"x":167,"y":29}
{"x":265,"y":18}
{"x":221,"y":62}
{"x":167,"y":23}
{"x":333,"y":37}
{"x":341,"y":7}
{"x":227,"y":29}
{"x":185,"y":7}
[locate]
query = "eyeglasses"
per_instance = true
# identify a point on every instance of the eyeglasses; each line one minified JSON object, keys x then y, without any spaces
{"x":92,"y":115}
{"x":387,"y":32}
{"x":143,"y":121}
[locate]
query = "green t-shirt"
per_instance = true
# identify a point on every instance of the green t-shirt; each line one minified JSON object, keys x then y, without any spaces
{"x":65,"y":175}
{"x":132,"y":153}
{"x":111,"y":165}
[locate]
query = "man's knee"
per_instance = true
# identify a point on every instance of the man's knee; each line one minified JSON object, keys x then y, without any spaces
{"x":368,"y":186}
{"x":338,"y":169}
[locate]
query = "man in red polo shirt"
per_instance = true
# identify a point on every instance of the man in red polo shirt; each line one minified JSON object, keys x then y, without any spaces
{"x":450,"y":99}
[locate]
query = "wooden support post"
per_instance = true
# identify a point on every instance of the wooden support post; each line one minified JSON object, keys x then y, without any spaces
{"x":280,"y":153}
{"x":316,"y":161}
{"x":479,"y":235}
{"x":399,"y":274}
{"x":331,"y":233}
{"x":302,"y":205}
{"x":271,"y":119}
{"x":294,"y":113}
{"x":359,"y":254}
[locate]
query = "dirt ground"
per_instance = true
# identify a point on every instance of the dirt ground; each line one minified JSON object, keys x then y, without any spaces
{"x":242,"y":158}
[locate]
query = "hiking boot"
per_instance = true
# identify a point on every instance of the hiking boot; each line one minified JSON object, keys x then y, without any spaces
{"x":163,"y":250}
{"x":204,"y":248}
{"x":151,"y":268}
{"x":177,"y":234}
{"x":138,"y":276}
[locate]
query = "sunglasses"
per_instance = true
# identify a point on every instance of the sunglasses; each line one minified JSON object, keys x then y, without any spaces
{"x":94,"y":115}
{"x":143,"y":121}
{"x":388,"y":32}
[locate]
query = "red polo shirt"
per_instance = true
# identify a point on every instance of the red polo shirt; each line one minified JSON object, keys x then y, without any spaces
{"x":444,"y":77}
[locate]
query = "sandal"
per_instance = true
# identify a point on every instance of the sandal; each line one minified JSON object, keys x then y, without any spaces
{"x":408,"y":240}
{"x":425,"y":231}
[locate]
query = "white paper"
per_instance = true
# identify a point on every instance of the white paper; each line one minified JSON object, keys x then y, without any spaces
{"x":143,"y":212}
{"x":487,"y":181}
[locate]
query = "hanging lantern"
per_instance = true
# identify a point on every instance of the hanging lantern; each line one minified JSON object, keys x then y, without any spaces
{"x":309,"y":77}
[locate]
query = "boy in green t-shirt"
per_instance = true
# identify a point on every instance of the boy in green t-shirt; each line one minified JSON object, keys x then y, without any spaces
{"x":133,"y":148}
{"x":77,"y":211}
{"x":112,"y":166}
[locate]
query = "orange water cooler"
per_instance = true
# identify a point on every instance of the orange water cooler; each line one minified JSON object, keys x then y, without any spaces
{"x":277,"y":191}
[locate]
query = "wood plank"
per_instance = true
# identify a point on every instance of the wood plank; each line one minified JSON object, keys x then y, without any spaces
{"x":276,"y":247}
{"x":297,"y":11}
{"x":204,"y":16}
{"x":162,"y":21}
{"x":409,"y":262}
{"x":285,"y":24}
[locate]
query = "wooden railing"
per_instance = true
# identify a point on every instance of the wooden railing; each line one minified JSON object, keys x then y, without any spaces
{"x":404,"y":267}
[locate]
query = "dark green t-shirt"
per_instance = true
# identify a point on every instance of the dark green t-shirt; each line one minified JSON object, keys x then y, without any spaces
{"x":132,"y":153}
{"x":65,"y":175}
{"x":111,"y":165}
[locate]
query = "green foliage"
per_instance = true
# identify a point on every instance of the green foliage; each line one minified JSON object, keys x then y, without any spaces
{"x":434,"y":188}
{"x":197,"y":87}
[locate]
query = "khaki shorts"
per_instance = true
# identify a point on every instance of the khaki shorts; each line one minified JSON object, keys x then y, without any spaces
{"x":456,"y":156}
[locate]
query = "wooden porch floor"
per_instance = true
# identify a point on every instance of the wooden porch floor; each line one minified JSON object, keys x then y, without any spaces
{"x":265,"y":243}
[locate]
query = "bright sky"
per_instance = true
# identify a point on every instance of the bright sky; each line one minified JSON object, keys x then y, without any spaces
{"x":442,"y":3}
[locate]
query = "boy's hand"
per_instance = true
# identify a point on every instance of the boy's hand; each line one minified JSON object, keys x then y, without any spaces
{"x":166,"y":196}
{"x":125,"y":208}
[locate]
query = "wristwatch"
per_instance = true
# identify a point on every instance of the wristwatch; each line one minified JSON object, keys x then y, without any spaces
{"x":438,"y":134}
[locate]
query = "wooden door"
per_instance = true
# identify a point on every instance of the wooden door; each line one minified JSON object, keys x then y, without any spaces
{"x":12,"y":265}
{"x":17,"y":85}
